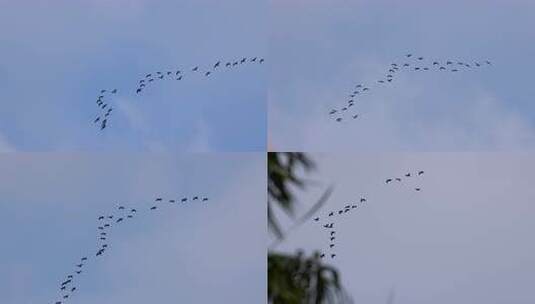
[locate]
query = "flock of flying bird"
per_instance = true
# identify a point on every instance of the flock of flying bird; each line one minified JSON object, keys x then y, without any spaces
{"x":327,"y":222}
{"x":123,"y":214}
{"x":410,"y":63}
{"x":176,"y":75}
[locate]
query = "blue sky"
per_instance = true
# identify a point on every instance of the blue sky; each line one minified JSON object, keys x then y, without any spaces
{"x":464,"y":238}
{"x":57,"y":57}
{"x":319,"y":50}
{"x":191,"y":253}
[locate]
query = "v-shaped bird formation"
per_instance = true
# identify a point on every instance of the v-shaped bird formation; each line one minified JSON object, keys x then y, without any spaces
{"x":122,"y":215}
{"x":329,"y":221}
{"x":169,"y":75}
{"x":410,"y":63}
{"x":104,"y":107}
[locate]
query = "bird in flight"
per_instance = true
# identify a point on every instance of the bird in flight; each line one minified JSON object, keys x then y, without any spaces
{"x":388,"y":180}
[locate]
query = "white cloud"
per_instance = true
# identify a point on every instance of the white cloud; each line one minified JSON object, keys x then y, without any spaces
{"x":201,"y":139}
{"x":5,"y":145}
